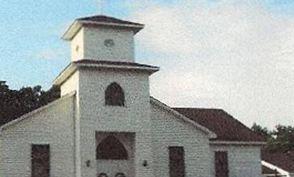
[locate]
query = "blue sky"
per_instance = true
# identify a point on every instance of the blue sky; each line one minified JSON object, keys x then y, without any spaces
{"x":32,"y":29}
{"x":32,"y":53}
{"x":281,"y":6}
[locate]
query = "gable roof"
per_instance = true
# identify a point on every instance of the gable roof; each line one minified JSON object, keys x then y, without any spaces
{"x":156,"y":102}
{"x":107,"y":19}
{"x":226,"y":127}
{"x":283,"y":160}
{"x":100,"y":20}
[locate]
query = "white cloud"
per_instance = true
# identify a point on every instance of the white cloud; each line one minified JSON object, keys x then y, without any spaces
{"x":49,"y":54}
{"x":231,"y":54}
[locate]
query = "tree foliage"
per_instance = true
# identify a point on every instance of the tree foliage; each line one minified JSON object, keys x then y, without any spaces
{"x":261,"y":130}
{"x":280,"y":139}
{"x":14,"y":103}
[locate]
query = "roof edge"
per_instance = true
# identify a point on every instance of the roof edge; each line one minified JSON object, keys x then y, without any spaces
{"x":71,"y":31}
{"x":274,"y":167}
{"x":72,"y":67}
{"x":111,"y":18}
{"x":113,"y":66}
{"x":74,"y":28}
{"x":202,"y":108}
{"x":259,"y":140}
{"x":65,"y":74}
{"x":28,"y":115}
{"x":251,"y":143}
{"x":156,"y":102}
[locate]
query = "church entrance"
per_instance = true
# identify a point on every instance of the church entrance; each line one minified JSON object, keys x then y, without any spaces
{"x":115,"y":154}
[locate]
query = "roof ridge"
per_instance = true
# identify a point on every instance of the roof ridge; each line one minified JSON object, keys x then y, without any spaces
{"x":100,"y":20}
{"x":112,"y":19}
{"x":90,"y":16}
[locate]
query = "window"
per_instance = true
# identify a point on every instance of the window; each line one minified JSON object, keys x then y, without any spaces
{"x":40,"y":157}
{"x":102,"y":175}
{"x":114,"y":95}
{"x":176,"y":162}
{"x":221,"y":164}
{"x":111,"y":149}
{"x":120,"y":175}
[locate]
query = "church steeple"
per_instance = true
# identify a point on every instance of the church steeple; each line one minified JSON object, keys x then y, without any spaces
{"x":102,"y":38}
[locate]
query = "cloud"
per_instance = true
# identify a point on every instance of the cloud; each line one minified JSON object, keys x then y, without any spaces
{"x":49,"y":54}
{"x":232,"y":54}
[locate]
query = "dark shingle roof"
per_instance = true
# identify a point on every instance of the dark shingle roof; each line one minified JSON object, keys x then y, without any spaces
{"x":107,"y":19}
{"x":98,"y":21}
{"x":226,"y":127}
{"x":283,"y":160}
{"x":117,"y":63}
{"x":266,"y":170}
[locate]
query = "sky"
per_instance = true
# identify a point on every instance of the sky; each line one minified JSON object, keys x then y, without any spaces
{"x":237,"y":55}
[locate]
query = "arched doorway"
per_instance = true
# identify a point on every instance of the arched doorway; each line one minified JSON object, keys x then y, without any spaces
{"x":110,"y":148}
{"x":115,"y":154}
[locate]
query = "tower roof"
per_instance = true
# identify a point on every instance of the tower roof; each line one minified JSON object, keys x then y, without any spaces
{"x":100,"y":64}
{"x":100,"y":20}
{"x":107,"y":19}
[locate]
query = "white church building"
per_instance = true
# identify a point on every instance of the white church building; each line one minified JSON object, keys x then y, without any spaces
{"x":106,"y":124}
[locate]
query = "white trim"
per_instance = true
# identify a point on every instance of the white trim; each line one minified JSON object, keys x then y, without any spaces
{"x":177,"y":114}
{"x":30,"y":114}
{"x":212,"y":135}
{"x":73,"y":67}
{"x":274,"y":167}
{"x":100,"y":65}
{"x":139,"y":26}
{"x":65,"y":74}
{"x":273,"y":175}
{"x":72,"y":30}
{"x":254,"y":143}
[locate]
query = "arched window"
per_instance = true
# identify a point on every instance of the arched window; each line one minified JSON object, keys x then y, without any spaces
{"x":114,"y":95}
{"x":111,"y":149}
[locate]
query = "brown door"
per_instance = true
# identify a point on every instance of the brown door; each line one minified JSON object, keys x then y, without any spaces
{"x":176,"y":162}
{"x":221,"y":164}
{"x":40,"y":161}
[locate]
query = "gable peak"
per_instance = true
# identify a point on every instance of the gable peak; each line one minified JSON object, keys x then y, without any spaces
{"x":100,"y":21}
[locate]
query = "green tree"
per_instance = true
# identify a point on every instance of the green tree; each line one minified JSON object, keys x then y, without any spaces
{"x":14,"y":103}
{"x":261,"y":130}
{"x":283,"y":138}
{"x":280,"y":139}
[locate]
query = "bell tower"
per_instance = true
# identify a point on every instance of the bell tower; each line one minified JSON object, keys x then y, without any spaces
{"x":112,"y":98}
{"x":102,"y":38}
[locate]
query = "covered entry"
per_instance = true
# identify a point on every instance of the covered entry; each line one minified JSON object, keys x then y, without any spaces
{"x":115,"y":154}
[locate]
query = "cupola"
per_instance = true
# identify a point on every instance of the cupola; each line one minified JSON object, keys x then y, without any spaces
{"x":102,"y":38}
